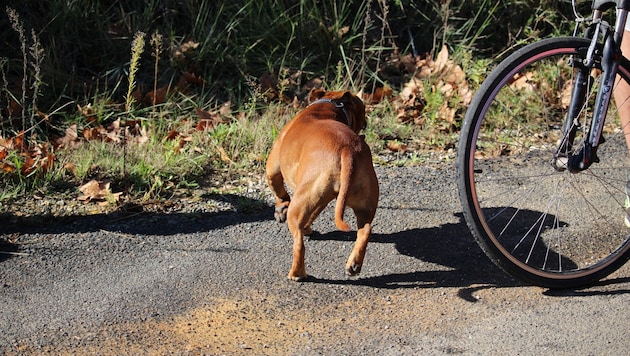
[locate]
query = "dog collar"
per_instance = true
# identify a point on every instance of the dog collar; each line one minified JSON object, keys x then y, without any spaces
{"x":337,"y":105}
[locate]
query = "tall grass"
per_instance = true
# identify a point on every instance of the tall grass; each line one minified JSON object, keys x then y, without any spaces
{"x":65,"y":54}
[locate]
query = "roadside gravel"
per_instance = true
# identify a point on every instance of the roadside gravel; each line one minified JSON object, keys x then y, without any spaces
{"x":207,"y":275}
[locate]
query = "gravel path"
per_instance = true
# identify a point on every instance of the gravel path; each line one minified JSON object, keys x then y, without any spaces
{"x":198,"y":280}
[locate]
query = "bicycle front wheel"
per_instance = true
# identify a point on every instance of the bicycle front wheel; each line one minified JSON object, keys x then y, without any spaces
{"x":545,"y":226}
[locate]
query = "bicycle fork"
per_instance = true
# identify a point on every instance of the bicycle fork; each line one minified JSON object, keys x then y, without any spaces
{"x":564,"y":157}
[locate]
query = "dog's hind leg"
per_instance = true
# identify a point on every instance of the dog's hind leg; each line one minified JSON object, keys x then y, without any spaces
{"x":296,"y":220}
{"x":276,"y":184}
{"x":355,"y":260}
{"x":301,"y":213}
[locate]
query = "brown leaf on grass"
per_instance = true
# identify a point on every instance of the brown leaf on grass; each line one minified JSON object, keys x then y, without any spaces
{"x":92,"y":133}
{"x":157,"y":96}
{"x":205,"y":115}
{"x":379,"y":94}
{"x":70,"y":140}
{"x":42,"y":115}
{"x":223,"y":155}
{"x":312,"y":84}
{"x":28,"y":166}
{"x":204,"y":125}
{"x":441,"y":61}
{"x":408,"y":62}
{"x":47,"y":158}
{"x":182,"y":85}
{"x":70,"y":167}
{"x":161,"y":94}
{"x":192,"y":78}
{"x":189,"y":46}
{"x":523,"y":82}
{"x":396,"y":146}
{"x":207,"y":120}
{"x":18,"y":142}
{"x":87,"y":112}
{"x":33,"y":155}
{"x":226,"y":109}
{"x":8,"y":167}
{"x":183,"y":140}
{"x":172,"y":134}
{"x":97,"y":191}
{"x":6,"y":143}
{"x":340,"y":32}
{"x":137,"y":95}
{"x":135,"y":132}
{"x":411,"y":102}
{"x":112,"y":132}
{"x":269,"y":85}
{"x":440,"y":75}
{"x":411,"y":90}
{"x":179,"y":53}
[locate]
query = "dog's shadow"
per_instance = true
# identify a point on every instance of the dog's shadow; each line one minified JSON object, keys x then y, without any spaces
{"x":450,"y":245}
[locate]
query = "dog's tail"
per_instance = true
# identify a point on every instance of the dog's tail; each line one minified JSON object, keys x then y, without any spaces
{"x":344,"y":187}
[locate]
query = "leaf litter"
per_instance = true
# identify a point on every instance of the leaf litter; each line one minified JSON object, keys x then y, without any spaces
{"x":427,"y":75}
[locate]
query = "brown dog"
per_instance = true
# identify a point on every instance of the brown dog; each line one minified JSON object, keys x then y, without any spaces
{"x":320,"y":156}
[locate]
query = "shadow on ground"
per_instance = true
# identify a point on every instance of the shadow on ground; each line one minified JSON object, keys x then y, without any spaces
{"x":450,"y":245}
{"x":135,"y":220}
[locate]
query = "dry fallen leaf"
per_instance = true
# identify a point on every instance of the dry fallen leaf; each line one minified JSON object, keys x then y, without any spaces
{"x":70,"y":140}
{"x":207,"y":120}
{"x":396,"y":146}
{"x":379,"y":94}
{"x":8,"y":167}
{"x":97,"y":191}
{"x":87,"y":112}
{"x":440,"y":75}
{"x":70,"y":167}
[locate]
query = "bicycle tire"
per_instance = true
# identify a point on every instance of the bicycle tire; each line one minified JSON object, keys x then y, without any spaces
{"x":547,"y":228}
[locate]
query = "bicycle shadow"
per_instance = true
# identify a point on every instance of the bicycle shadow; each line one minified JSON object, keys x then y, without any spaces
{"x":452,"y":246}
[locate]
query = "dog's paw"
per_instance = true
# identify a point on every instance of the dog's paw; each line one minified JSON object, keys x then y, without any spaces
{"x":353,"y":269}
{"x":281,"y":213}
{"x":297,"y":277}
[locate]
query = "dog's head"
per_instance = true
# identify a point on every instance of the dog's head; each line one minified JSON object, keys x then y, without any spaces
{"x":351,"y":106}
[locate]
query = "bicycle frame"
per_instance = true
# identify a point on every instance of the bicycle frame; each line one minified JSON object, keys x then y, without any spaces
{"x":611,"y":56}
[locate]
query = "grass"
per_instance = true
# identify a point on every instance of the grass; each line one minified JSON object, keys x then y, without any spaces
{"x":93,"y":56}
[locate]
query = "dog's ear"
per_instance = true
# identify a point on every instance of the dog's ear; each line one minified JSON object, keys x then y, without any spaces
{"x":349,"y":99}
{"x":346,"y":97}
{"x":316,"y":94}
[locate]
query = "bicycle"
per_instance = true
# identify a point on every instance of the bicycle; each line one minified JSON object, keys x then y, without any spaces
{"x":541,"y":171}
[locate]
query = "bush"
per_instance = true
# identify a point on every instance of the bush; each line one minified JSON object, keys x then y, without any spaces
{"x":75,"y":94}
{"x":86,"y":42}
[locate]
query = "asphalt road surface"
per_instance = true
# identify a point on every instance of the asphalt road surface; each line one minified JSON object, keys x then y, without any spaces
{"x":215,"y":283}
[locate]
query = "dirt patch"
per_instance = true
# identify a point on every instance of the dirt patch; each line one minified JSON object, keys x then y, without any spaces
{"x":258,"y":324}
